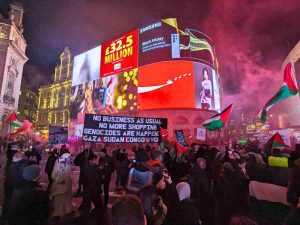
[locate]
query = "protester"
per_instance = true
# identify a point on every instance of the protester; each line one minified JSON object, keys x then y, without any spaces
{"x":128,"y":210}
{"x":107,"y":168}
{"x":53,"y":156}
{"x":167,"y":191}
{"x":154,"y":208}
{"x":228,"y":191}
{"x":30,"y":205}
{"x":120,"y":157}
{"x":188,"y":212}
{"x":201,"y":190}
{"x":61,"y":191}
{"x":92,"y":180}
{"x":80,"y":160}
{"x":142,"y":154}
{"x":14,"y":178}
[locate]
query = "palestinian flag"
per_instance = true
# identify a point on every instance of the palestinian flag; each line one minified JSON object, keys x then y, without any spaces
{"x":164,"y":133}
{"x":13,"y":121}
{"x":275,"y":141}
{"x":219,"y":120}
{"x":288,"y":89}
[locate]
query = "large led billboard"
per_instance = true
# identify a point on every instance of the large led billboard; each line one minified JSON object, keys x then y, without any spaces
{"x":171,"y":39}
{"x":178,"y":84}
{"x":109,"y":95}
{"x":86,"y":66}
{"x":166,"y":85}
{"x":120,"y":54}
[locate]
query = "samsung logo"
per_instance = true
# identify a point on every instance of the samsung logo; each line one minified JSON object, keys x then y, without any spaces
{"x":150,"y":27}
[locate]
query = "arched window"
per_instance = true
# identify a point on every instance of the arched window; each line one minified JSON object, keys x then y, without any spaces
{"x":181,"y":120}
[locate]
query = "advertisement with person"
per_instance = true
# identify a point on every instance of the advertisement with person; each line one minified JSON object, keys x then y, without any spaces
{"x":172,"y":38}
{"x":166,"y":85}
{"x":120,"y":54}
{"x":207,"y":96}
{"x":86,"y":66}
{"x":109,"y":95}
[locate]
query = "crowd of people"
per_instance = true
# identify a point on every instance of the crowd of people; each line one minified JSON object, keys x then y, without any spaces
{"x":204,"y":185}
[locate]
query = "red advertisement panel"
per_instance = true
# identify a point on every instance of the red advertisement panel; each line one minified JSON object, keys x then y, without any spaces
{"x":120,"y":54}
{"x":166,"y":85}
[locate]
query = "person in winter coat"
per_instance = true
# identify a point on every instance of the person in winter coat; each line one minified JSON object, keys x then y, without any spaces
{"x":142,"y":155}
{"x":61,"y":191}
{"x":80,"y":160}
{"x":29,"y":205}
{"x":201,"y":190}
{"x":188,"y":212}
{"x":49,"y":167}
{"x":167,"y":191}
{"x":92,"y":180}
{"x":106,"y":166}
{"x":13,"y":179}
{"x":228,"y":191}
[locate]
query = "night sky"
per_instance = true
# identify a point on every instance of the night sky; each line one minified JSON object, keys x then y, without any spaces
{"x":251,"y":38}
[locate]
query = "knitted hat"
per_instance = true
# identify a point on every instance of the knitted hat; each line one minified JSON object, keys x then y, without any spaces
{"x":183,"y":190}
{"x":31,"y":173}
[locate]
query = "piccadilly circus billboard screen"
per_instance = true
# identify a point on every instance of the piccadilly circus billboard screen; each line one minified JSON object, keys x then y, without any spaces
{"x":120,"y":54}
{"x":166,"y":64}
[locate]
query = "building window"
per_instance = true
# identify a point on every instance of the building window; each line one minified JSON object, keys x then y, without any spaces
{"x":10,"y":85}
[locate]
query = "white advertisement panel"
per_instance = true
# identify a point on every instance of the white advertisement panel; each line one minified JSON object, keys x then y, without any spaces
{"x":86,"y":66}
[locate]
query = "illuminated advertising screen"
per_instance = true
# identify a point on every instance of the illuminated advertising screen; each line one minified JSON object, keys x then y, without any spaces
{"x":86,"y":66}
{"x":120,"y":54}
{"x":166,"y":85}
{"x":171,"y":39}
{"x":110,"y":95}
{"x":178,"y":84}
{"x":206,"y":87}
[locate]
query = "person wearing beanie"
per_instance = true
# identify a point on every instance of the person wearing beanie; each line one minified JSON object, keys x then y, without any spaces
{"x":155,"y":163}
{"x":29,"y":205}
{"x":61,"y":190}
{"x":188,"y":212}
{"x":107,"y":167}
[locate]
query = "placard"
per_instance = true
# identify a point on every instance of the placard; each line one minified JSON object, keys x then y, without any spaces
{"x":58,"y":135}
{"x":122,"y":129}
{"x":201,"y":134}
{"x":120,"y":54}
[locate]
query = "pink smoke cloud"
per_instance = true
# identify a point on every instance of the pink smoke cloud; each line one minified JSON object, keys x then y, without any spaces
{"x":250,"y":41}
